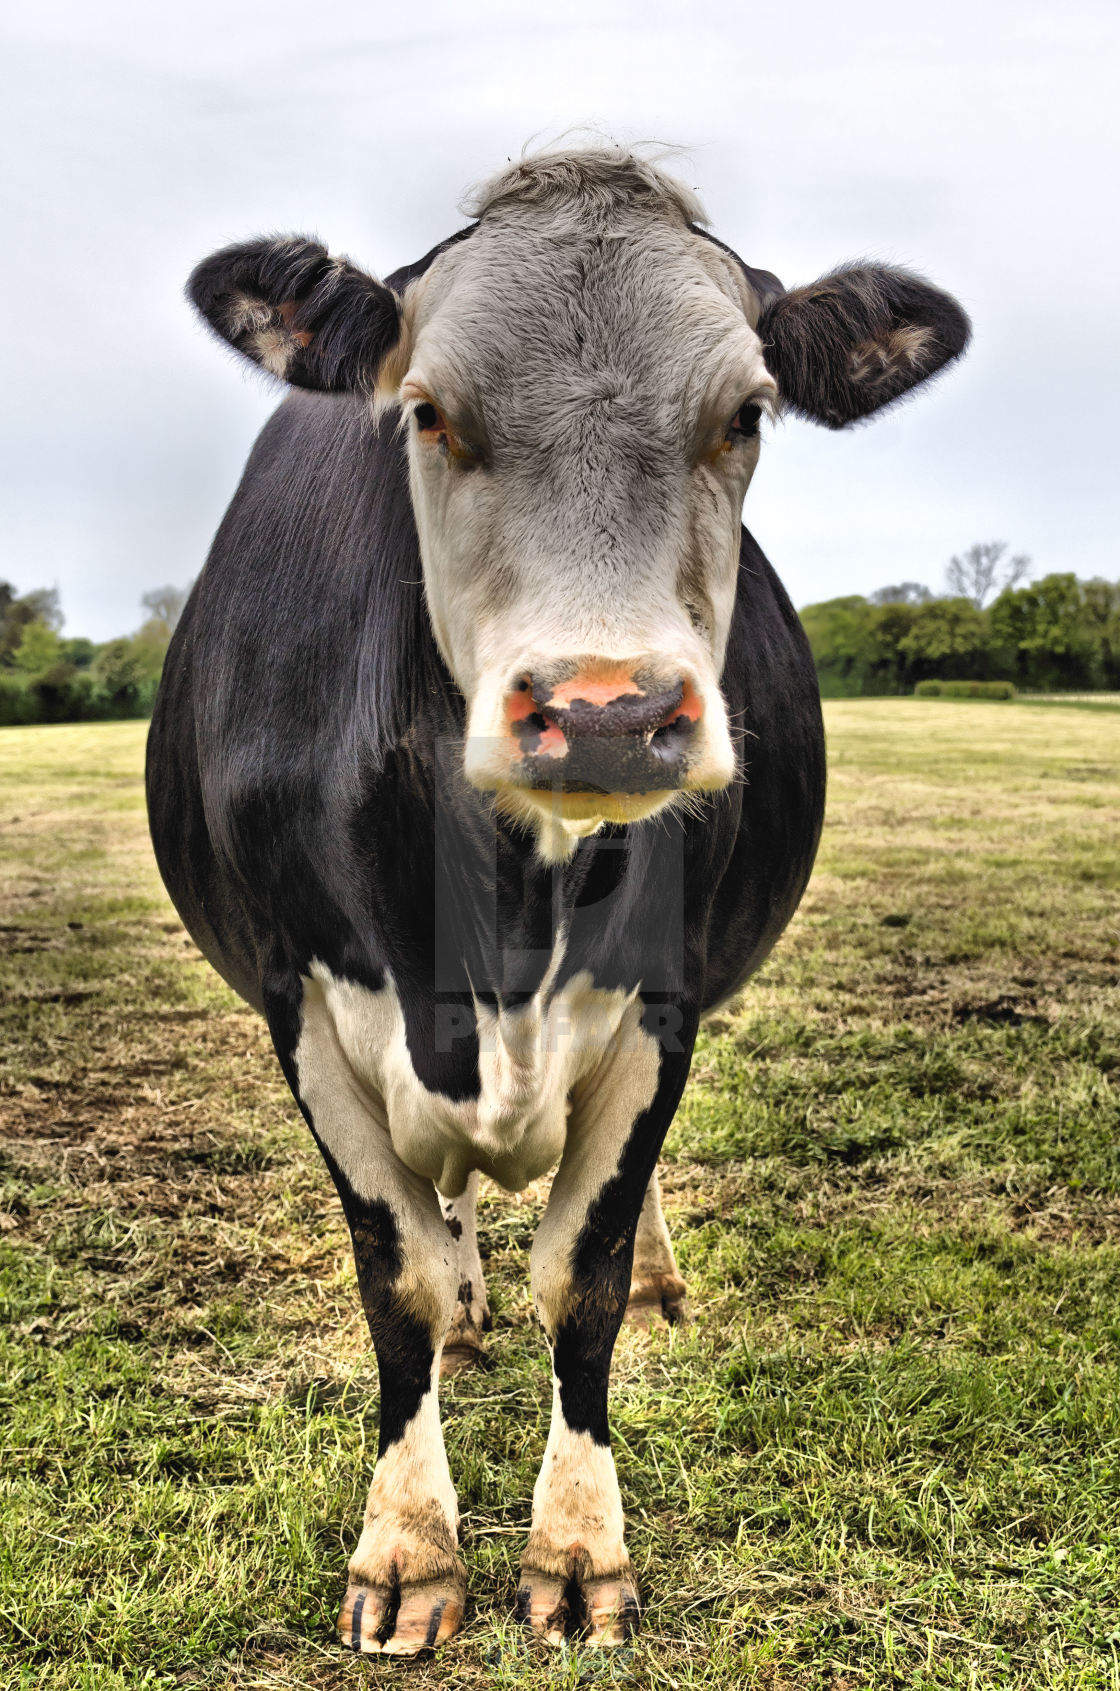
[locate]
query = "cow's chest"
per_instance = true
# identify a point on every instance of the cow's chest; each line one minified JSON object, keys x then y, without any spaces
{"x":530,"y":1059}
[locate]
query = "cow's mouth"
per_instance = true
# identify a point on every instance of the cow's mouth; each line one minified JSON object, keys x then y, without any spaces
{"x":584,"y":809}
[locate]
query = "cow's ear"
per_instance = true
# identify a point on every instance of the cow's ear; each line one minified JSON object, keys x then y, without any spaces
{"x":857,"y":340}
{"x":314,"y":321}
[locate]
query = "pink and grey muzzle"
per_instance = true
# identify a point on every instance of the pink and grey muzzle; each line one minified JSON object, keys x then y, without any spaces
{"x":598,"y":725}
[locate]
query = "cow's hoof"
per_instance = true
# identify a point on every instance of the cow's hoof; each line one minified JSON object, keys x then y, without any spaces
{"x":459,"y":1355}
{"x":610,"y":1609}
{"x":599,"y":1611}
{"x":463,"y":1347}
{"x":657,"y":1297}
{"x":380,"y":1621}
{"x":543,"y":1605}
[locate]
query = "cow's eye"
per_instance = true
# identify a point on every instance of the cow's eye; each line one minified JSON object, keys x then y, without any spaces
{"x":431,"y":422}
{"x":745,"y":421}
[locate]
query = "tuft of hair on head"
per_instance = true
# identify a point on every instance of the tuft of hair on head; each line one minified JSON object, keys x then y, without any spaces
{"x":859,"y":339}
{"x":598,"y":179}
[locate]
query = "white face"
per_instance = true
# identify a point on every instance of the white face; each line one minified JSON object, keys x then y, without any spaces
{"x":582,"y":411}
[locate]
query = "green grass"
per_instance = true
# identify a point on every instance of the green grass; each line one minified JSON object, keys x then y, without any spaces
{"x":886,"y":1451}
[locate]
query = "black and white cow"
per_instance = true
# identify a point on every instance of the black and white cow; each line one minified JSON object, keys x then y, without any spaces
{"x":488,"y":757}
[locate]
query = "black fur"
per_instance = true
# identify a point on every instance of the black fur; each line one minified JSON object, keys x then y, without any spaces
{"x":291,"y":290}
{"x":294,"y":750}
{"x":403,"y":1344}
{"x":604,"y":1253}
{"x":858,"y":340}
{"x":307,"y":801}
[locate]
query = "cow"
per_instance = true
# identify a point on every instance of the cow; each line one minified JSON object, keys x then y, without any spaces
{"x":488,"y":758}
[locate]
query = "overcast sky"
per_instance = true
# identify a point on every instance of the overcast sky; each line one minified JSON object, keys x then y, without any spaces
{"x":974,"y":141}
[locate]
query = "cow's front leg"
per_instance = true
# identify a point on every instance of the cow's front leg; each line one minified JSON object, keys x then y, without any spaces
{"x":407,"y":1585}
{"x":575,"y":1573}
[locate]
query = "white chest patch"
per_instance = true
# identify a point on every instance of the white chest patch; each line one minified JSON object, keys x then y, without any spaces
{"x":529,"y":1060}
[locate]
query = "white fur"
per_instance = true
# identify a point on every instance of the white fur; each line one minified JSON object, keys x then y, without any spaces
{"x":565,"y":1076}
{"x":410,"y":1477}
{"x":605,"y":1106}
{"x":461,"y":1217}
{"x":530,"y":1059}
{"x":577,"y":1509}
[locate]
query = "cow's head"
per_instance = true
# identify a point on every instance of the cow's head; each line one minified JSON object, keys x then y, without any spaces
{"x":581,"y":378}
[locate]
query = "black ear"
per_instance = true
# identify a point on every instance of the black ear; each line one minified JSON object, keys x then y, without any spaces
{"x":312,"y":320}
{"x":857,"y":340}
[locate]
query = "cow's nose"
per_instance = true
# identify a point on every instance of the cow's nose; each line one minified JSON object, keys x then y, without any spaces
{"x":615,"y":707}
{"x":604,"y":725}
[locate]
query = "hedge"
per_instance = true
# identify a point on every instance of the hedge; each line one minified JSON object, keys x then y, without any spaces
{"x":71,"y":697}
{"x":965,"y":690}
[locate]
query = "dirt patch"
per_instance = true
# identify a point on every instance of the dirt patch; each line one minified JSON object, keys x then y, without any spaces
{"x":1004,"y":1011}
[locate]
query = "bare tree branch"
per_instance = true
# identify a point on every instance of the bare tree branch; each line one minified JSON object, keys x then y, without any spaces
{"x":166,"y":603}
{"x":979,"y":572}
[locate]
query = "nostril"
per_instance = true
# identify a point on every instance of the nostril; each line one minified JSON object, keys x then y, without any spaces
{"x":535,"y":722}
{"x":670,"y":742}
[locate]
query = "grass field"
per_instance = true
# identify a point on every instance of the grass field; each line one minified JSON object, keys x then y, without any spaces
{"x":886,"y":1451}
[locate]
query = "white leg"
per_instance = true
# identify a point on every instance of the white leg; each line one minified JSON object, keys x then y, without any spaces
{"x":407,"y":1584}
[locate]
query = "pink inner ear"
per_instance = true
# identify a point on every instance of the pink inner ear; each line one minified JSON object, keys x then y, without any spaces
{"x":287,"y":309}
{"x":898,"y":349}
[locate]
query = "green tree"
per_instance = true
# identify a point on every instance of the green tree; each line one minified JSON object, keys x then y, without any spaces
{"x":947,"y":639}
{"x":1046,"y":633}
{"x":39,"y":647}
{"x":44,"y":605}
{"x":121,"y":674}
{"x":79,"y":651}
{"x":1101,"y":600}
{"x":838,"y":633}
{"x":891,"y":628}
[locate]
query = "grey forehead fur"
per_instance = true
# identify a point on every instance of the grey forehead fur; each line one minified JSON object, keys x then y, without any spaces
{"x":552,"y":329}
{"x":591,"y":354}
{"x":596,"y":182}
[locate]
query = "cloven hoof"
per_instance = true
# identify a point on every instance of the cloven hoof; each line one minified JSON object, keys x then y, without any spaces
{"x":598,"y":1611}
{"x":401,"y":1620}
{"x":657,"y":1297}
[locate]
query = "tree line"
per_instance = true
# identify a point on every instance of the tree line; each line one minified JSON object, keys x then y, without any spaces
{"x":45,"y":677}
{"x":1057,"y":634}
